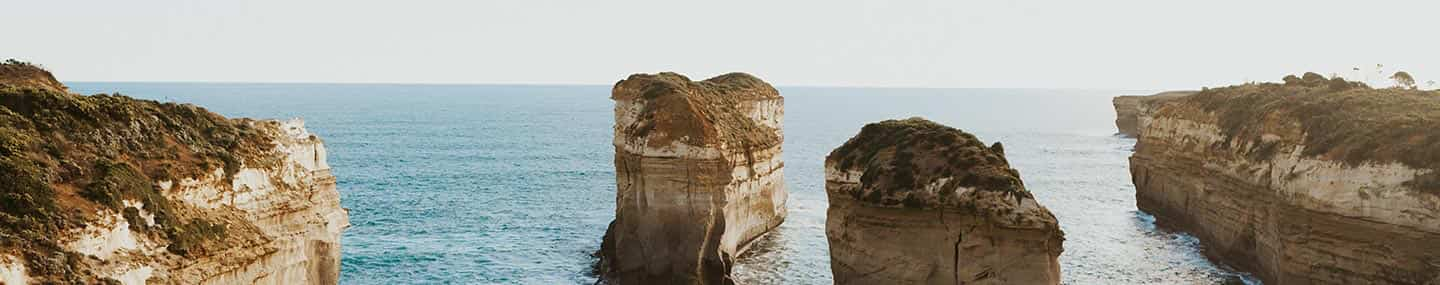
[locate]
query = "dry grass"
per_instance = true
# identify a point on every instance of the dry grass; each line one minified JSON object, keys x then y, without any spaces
{"x":700,"y":113}
{"x":1339,"y":120}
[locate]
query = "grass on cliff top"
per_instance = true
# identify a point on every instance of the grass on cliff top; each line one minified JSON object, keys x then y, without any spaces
{"x":1341,"y":120}
{"x":899,"y":156}
{"x":698,"y":112}
{"x":64,"y":156}
{"x":14,"y":73}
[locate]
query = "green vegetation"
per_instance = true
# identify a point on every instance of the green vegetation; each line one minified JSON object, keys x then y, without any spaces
{"x":905,"y":155}
{"x":17,"y":63}
{"x":63,"y":156}
{"x":1403,"y":80}
{"x":1337,"y":120}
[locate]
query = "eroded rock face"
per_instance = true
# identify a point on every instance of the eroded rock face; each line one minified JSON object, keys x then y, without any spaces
{"x":915,"y":202}
{"x":1331,"y":183}
{"x":115,"y":189}
{"x":698,"y":174}
{"x":1133,"y":113}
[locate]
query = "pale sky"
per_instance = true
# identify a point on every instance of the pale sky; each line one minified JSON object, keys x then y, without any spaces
{"x":1128,"y":44}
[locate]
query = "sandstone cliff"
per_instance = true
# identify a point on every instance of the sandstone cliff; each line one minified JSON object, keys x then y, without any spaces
{"x":1133,"y":113}
{"x":698,"y":176}
{"x":1316,"y":181}
{"x":111,"y":189}
{"x":915,"y":202}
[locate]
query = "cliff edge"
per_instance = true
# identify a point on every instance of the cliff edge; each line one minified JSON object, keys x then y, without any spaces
{"x":916,"y":202}
{"x":1311,"y":181}
{"x":698,"y":175}
{"x":111,"y":189}
{"x":1133,"y":113}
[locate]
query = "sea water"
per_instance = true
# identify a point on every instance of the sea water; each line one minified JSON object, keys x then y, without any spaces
{"x":482,"y":184}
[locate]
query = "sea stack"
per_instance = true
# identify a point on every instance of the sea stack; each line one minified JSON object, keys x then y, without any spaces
{"x":1313,"y":181}
{"x":916,"y":202}
{"x":1132,"y":113}
{"x":108,"y":189}
{"x":698,"y":177}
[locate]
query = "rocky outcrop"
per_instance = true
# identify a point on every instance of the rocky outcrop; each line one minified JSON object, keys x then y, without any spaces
{"x":1317,"y":181}
{"x":1133,"y":113}
{"x":915,"y":202}
{"x":107,"y":188}
{"x":698,"y":176}
{"x":19,"y":74}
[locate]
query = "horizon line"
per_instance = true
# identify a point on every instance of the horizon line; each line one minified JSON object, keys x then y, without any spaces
{"x":604,"y":85}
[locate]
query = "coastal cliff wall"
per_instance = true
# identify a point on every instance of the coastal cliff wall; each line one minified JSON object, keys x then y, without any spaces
{"x":107,"y":188}
{"x":915,"y":202}
{"x":699,"y":177}
{"x":1310,"y":182}
{"x":1133,"y":113}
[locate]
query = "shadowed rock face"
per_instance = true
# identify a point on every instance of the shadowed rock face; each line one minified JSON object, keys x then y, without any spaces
{"x":915,"y":202}
{"x":132,"y":191}
{"x":698,"y":176}
{"x":1132,"y":113}
{"x":1324,"y":183}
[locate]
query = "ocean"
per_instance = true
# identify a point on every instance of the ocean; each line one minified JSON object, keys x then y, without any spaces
{"x":514,"y":184}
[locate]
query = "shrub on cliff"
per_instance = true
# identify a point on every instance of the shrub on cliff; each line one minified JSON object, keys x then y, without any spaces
{"x":1403,"y":80}
{"x":1342,"y":121}
{"x":105,"y":149}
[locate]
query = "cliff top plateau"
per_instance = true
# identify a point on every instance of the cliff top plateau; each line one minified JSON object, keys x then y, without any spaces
{"x":1333,"y":119}
{"x":1160,"y":96}
{"x":65,"y":157}
{"x":916,"y":163}
{"x":23,"y":74}
{"x":698,"y":113}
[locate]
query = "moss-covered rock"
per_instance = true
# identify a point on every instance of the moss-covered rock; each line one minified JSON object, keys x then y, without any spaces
{"x":900,"y":158}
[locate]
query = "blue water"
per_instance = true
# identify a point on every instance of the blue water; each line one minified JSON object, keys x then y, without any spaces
{"x":515,"y":184}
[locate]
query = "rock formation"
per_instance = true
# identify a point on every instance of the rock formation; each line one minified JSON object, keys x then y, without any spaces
{"x":111,"y":189}
{"x":1132,"y":113}
{"x":698,"y":176}
{"x":915,"y":202}
{"x":1316,"y":181}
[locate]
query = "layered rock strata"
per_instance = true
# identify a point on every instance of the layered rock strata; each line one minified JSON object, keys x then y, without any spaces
{"x":1316,"y":181}
{"x":916,"y":202}
{"x":698,"y":176}
{"x":1133,"y":113}
{"x":111,"y":189}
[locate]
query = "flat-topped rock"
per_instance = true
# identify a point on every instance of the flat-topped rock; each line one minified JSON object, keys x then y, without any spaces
{"x":699,"y":177}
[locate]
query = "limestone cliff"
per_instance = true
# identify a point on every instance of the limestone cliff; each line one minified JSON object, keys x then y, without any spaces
{"x":698,"y":176}
{"x":1316,"y":181}
{"x":1133,"y":113}
{"x":111,"y":189}
{"x":915,"y":202}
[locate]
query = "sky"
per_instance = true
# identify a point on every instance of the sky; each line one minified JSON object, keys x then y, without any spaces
{"x":1110,"y":44}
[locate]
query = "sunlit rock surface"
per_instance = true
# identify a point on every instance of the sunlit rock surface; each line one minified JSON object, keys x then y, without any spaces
{"x":915,"y":202}
{"x":699,"y":177}
{"x":107,"y":188}
{"x":1133,"y":113}
{"x":1318,"y":182}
